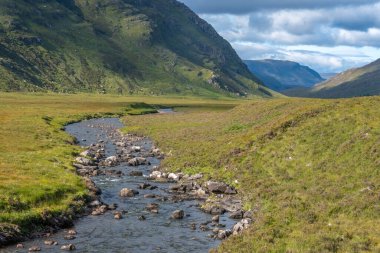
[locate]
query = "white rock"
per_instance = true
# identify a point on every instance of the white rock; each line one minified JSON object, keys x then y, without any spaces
{"x":136,"y":148}
{"x":173,"y":176}
{"x":156,"y":174}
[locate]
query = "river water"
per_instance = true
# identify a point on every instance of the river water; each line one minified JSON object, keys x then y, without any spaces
{"x":158,"y":233}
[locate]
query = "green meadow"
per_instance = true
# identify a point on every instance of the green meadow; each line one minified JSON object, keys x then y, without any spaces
{"x":309,"y":169}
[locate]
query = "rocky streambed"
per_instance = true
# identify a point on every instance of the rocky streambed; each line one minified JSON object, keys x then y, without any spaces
{"x":135,"y":207}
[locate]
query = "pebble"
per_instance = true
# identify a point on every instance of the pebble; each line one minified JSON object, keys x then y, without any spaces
{"x":216,"y":218}
{"x":118,"y":216}
{"x":50,"y":243}
{"x":72,"y":232}
{"x":34,"y":249}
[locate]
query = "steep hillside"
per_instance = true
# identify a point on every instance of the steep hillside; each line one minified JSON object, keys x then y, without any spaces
{"x":364,"y":81}
{"x":283,"y":75}
{"x":116,"y":46}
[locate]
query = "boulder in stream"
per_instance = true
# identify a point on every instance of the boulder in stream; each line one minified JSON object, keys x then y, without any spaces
{"x":213,"y":209}
{"x":136,"y":148}
{"x":50,"y":243}
{"x":111,"y":161}
{"x":68,"y":247}
{"x":178,"y":215}
{"x":128,"y":193}
{"x":34,"y":249}
{"x":138,"y":161}
{"x":118,"y":216}
{"x":216,"y":218}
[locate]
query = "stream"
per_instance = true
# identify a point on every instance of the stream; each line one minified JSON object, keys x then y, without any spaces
{"x":157,"y":232}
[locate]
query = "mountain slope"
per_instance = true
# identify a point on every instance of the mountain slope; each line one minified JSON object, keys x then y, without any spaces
{"x":283,"y":75}
{"x":328,"y":76}
{"x":116,"y":46}
{"x":364,"y":81}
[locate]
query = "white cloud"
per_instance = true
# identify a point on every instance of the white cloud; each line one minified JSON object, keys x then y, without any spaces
{"x":247,"y":6}
{"x":322,"y":59}
{"x":331,"y":39}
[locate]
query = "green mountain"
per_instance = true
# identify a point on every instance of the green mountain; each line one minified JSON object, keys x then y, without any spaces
{"x":117,"y":46}
{"x":283,"y":75}
{"x":358,"y":82}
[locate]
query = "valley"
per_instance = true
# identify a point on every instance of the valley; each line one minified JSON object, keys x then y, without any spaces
{"x":135,"y":126}
{"x":303,"y":184}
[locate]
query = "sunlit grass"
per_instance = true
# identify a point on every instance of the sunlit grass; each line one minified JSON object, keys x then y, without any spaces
{"x":308,"y":168}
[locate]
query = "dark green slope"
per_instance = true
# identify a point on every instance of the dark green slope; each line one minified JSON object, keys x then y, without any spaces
{"x":116,"y":46}
{"x":359,"y":82}
{"x":282,"y":75}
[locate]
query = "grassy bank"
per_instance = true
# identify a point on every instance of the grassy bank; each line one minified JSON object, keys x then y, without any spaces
{"x":36,"y":175}
{"x":308,"y":168}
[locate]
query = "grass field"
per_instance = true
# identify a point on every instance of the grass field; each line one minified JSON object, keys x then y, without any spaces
{"x":36,"y":174}
{"x":308,"y":168}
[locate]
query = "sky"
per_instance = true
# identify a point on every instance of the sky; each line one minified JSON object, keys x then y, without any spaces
{"x":328,"y":35}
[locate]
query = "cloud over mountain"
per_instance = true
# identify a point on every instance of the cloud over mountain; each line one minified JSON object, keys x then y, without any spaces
{"x":247,"y":6}
{"x":274,"y":26}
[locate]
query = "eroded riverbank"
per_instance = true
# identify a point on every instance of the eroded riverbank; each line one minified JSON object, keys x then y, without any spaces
{"x":143,"y":220}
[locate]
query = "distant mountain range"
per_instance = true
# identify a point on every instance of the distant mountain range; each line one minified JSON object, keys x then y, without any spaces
{"x":283,"y":75}
{"x":364,"y":81}
{"x":117,"y":46}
